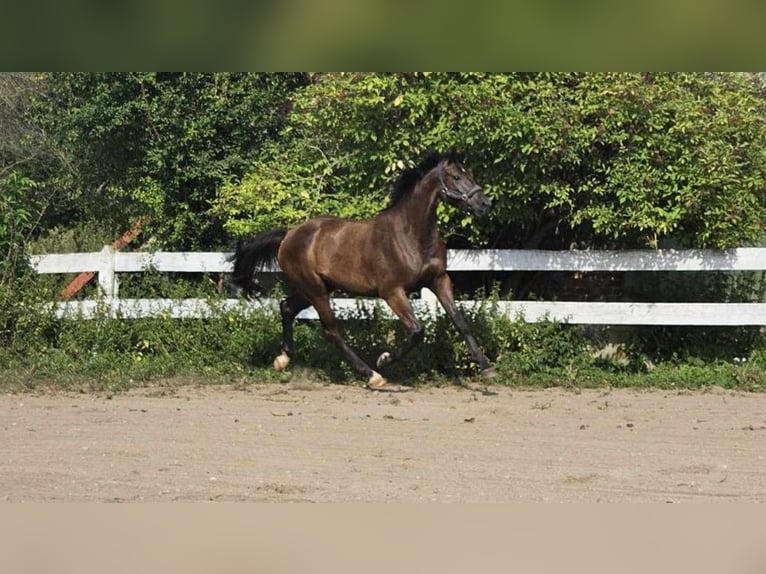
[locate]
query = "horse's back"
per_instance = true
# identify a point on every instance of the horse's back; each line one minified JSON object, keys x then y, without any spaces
{"x":331,"y":248}
{"x":327,"y":233}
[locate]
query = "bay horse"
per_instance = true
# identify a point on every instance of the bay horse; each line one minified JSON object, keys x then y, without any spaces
{"x":396,"y":252}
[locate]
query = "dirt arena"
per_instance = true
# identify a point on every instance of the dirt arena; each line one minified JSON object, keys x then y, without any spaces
{"x":325,"y":443}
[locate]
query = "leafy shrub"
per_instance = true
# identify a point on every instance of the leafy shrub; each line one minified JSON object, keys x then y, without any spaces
{"x":158,"y":145}
{"x":596,"y":160}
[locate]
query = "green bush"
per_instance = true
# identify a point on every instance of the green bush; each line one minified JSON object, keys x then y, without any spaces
{"x":619,"y":160}
{"x":157,"y":145}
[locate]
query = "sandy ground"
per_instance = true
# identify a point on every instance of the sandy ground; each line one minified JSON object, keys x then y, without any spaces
{"x":325,"y":443}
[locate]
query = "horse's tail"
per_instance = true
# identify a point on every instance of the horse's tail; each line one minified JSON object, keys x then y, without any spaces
{"x":254,"y":255}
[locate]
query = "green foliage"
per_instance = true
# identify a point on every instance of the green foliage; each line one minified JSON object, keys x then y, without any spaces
{"x":583,"y":159}
{"x":676,"y":155}
{"x":267,"y":197}
{"x":16,"y":223}
{"x":18,"y":219}
{"x":160,"y":144}
{"x":569,"y":159}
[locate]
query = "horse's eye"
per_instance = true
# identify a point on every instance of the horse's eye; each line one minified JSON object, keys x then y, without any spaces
{"x":456,"y":177}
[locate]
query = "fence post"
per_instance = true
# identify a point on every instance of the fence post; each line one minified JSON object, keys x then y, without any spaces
{"x":107,"y":281}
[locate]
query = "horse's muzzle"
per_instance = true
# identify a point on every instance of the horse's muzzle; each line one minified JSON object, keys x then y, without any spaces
{"x":478,"y":203}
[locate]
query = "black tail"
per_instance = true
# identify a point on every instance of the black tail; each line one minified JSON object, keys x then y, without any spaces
{"x":253,"y":256}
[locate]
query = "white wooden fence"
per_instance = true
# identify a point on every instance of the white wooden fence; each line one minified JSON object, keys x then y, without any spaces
{"x":108,"y":263}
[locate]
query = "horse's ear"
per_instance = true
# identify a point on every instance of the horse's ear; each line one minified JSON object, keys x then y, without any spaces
{"x":455,"y":156}
{"x":430,"y":161}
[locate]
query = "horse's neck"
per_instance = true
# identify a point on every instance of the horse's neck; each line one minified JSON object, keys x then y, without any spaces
{"x":418,"y":211}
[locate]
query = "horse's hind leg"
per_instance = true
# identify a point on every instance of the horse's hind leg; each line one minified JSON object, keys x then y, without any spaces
{"x":289,"y":309}
{"x":333,"y":333}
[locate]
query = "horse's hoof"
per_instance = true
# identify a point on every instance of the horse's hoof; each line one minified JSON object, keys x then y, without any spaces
{"x":384,"y":359}
{"x":281,"y":362}
{"x":376,"y":381}
{"x":489,"y":372}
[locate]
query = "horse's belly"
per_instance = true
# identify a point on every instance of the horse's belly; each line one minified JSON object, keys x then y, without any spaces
{"x":348,"y":273}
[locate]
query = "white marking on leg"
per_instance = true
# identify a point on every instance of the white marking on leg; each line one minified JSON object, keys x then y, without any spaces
{"x":384,"y":359}
{"x":376,"y":380}
{"x":281,"y":362}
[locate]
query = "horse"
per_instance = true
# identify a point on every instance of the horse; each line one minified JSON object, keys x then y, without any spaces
{"x":396,"y":252}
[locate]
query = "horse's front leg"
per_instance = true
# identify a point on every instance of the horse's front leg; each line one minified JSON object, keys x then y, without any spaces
{"x":442,"y":288}
{"x":400,"y":304}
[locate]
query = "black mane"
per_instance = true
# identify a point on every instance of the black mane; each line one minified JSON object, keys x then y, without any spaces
{"x":410,"y":177}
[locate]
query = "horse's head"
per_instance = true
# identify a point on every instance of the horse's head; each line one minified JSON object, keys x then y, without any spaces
{"x":459,"y":188}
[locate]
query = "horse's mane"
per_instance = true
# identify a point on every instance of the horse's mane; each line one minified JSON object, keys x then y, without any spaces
{"x":410,"y":177}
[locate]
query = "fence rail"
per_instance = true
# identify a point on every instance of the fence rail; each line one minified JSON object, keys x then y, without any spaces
{"x":108,"y":263}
